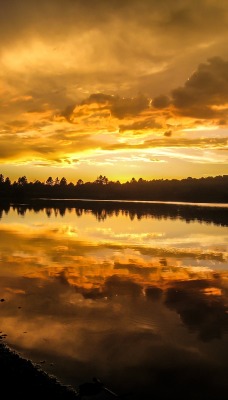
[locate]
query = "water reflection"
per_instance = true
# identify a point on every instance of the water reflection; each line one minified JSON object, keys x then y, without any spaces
{"x":140,"y":303}
{"x":216,"y":214}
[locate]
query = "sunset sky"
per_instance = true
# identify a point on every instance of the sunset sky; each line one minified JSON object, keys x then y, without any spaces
{"x":122,"y":88}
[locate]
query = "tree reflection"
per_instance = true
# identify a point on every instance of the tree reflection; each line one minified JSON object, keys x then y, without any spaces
{"x":105,"y":209}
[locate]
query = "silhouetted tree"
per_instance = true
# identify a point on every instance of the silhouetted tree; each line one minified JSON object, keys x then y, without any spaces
{"x":1,"y":179}
{"x":22,"y":180}
{"x":209,"y":189}
{"x":37,"y":182}
{"x":63,"y":182}
{"x":50,"y":181}
{"x":102,"y":180}
{"x":7,"y":181}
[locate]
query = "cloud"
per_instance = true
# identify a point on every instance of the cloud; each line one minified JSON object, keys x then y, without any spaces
{"x":129,"y":106}
{"x":201,"y":313}
{"x":140,"y":126}
{"x":136,"y":268}
{"x":153,"y":293}
{"x":112,"y":47}
{"x":168,"y":133}
{"x":117,"y":285}
{"x":99,"y":98}
{"x":114,"y":72}
{"x":204,"y":95}
{"x":213,"y":143}
{"x":119,"y":107}
{"x":161,"y":101}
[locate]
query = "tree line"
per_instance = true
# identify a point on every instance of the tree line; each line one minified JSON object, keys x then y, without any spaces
{"x":206,"y":189}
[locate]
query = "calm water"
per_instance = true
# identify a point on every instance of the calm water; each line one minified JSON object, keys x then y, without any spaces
{"x":133,"y":294}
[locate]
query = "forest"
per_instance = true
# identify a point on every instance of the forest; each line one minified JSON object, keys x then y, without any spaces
{"x":203,"y":190}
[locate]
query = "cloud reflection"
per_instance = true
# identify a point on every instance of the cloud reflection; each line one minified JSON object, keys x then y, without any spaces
{"x":91,"y":301}
{"x":208,"y":318}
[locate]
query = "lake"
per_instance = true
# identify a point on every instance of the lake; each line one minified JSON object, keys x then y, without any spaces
{"x":133,"y":293}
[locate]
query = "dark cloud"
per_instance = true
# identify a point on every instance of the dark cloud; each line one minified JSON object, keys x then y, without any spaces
{"x":204,"y":314}
{"x":153,"y":293}
{"x":113,"y":286}
{"x":125,"y":49}
{"x":123,"y":107}
{"x":147,"y":123}
{"x":91,"y":293}
{"x":168,"y":133}
{"x":99,"y":98}
{"x":135,"y":268}
{"x":120,"y":107}
{"x":161,"y":101}
{"x":117,"y":285}
{"x":164,"y":14}
{"x":120,"y":51}
{"x":206,"y":88}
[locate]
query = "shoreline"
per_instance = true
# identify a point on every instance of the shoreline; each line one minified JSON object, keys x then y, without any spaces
{"x":40,"y":200}
{"x":20,"y":378}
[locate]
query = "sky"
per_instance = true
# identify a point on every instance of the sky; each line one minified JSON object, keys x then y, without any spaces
{"x":121,"y":88}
